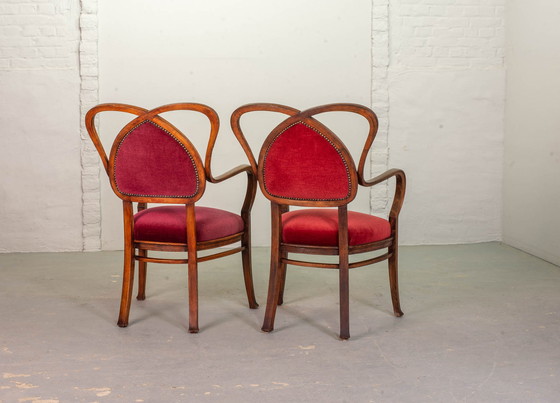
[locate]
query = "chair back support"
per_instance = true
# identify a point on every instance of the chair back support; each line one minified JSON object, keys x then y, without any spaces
{"x":151,"y":161}
{"x":302,"y":162}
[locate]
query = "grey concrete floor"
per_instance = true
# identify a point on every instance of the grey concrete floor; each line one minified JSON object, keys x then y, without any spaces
{"x":481,"y":324}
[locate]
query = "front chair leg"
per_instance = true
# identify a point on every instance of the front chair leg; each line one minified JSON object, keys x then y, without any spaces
{"x":248,"y":276}
{"x":127,"y":284}
{"x":394,"y":283}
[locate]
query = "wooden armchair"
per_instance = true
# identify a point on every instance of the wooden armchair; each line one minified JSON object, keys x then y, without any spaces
{"x":151,"y":161}
{"x":303,"y":163}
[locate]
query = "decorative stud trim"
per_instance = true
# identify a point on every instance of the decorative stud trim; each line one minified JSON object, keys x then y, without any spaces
{"x":150,"y":195}
{"x":332,"y":145}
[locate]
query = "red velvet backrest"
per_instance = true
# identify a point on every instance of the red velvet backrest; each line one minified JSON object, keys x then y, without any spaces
{"x":152,"y":161}
{"x":303,"y":163}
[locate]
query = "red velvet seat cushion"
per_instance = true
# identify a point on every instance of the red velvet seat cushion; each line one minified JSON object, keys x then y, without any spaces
{"x":319,"y":227}
{"x":168,"y":224}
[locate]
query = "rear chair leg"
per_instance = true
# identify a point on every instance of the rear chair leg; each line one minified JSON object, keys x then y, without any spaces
{"x":193,"y":294}
{"x":127,"y":284}
{"x":344,"y":303}
{"x":272,"y":298}
{"x":283,"y":271}
{"x":142,"y":270}
{"x":394,"y":283}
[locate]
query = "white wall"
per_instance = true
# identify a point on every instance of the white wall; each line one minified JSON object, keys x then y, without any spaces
{"x":445,"y":83}
{"x":40,"y":191}
{"x":446,"y":92}
{"x":432,"y":69}
{"x":532,"y":147}
{"x":226,"y":54}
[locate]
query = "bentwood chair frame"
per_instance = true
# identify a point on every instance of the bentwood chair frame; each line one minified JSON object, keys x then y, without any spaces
{"x":192,"y":246}
{"x":280,"y":250}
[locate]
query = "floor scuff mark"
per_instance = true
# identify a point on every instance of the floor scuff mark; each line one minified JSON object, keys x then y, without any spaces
{"x":23,"y":385}
{"x":99,"y":392}
{"x":8,"y":375}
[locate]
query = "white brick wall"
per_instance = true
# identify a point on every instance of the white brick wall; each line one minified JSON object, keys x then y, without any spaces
{"x":448,"y":33}
{"x":40,"y":191}
{"x":89,"y":74}
{"x":60,"y":35}
{"x":427,"y":35}
{"x":37,"y":35}
{"x":380,"y":100}
{"x":447,"y":102}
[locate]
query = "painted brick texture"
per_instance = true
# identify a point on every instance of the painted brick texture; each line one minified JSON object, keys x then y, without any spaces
{"x":39,"y":82}
{"x":38,"y":34}
{"x":427,"y":35}
{"x":89,"y":89}
{"x":380,"y":100}
{"x":44,"y":35}
{"x":447,"y":104}
{"x":448,"y":33}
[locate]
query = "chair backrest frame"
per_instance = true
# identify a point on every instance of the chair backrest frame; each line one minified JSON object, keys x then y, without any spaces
{"x":235,"y":122}
{"x":356,"y":176}
{"x":153,"y":117}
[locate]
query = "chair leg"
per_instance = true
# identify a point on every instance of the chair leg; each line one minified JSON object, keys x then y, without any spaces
{"x":343,"y":269}
{"x":248,"y":276}
{"x":142,"y":269}
{"x":127,"y":284}
{"x":193,"y":295}
{"x":275,"y":271}
{"x":273,"y":293}
{"x":192,"y":267}
{"x":394,"y":282}
{"x":128,"y":269}
{"x":344,"y":302}
{"x":282,"y":285}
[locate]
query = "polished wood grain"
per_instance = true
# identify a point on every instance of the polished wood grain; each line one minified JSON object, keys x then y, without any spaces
{"x":193,"y":246}
{"x":280,"y":251}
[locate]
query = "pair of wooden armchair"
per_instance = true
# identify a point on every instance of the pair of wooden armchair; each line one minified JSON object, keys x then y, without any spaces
{"x":301,"y":163}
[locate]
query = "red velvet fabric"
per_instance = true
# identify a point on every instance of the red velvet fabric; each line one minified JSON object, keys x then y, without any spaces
{"x":319,"y":227}
{"x":302,"y":164}
{"x":150,"y":162}
{"x":168,"y":224}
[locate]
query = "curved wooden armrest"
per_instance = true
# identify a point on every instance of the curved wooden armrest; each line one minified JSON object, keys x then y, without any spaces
{"x":400,"y":188}
{"x":229,"y":174}
{"x":251,"y":184}
{"x":382,"y":177}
